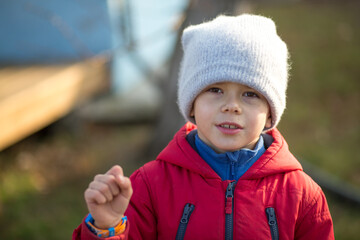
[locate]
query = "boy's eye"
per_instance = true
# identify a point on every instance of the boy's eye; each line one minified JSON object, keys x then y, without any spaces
{"x":215,"y":90}
{"x":250,"y":94}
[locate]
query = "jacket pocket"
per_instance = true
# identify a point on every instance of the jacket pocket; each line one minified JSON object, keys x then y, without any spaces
{"x":188,"y":209}
{"x":274,"y":229}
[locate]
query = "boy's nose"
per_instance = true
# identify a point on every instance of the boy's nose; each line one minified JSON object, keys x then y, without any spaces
{"x":232,"y":107}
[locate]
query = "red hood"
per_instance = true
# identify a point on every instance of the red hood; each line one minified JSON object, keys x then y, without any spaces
{"x":276,"y":159}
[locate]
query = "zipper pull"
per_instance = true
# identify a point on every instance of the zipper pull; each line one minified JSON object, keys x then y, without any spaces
{"x":230,"y":189}
{"x":271,"y":216}
{"x":189,"y":208}
{"x":229,"y":197}
{"x":270,"y":212}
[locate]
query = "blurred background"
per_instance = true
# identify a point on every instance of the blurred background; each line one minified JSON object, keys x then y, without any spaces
{"x":87,"y":84}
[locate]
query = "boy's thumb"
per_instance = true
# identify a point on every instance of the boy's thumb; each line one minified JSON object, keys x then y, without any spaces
{"x":125,"y":186}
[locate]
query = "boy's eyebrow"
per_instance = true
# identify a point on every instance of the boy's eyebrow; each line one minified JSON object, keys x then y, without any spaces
{"x":217,"y":83}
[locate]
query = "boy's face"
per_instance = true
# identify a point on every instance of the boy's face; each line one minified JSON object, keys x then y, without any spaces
{"x":230,"y":116}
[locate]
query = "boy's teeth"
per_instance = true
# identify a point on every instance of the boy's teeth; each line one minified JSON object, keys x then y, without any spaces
{"x":228,"y":126}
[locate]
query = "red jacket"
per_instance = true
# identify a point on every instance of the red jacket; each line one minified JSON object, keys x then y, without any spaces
{"x":274,"y":199}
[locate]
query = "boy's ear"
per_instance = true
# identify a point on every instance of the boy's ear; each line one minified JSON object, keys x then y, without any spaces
{"x":192,"y":112}
{"x":268,"y":122}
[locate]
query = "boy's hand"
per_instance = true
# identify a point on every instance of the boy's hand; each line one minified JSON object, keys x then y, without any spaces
{"x":108,"y":196}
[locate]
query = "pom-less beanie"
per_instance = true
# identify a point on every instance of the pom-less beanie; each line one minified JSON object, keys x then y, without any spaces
{"x":243,"y":49}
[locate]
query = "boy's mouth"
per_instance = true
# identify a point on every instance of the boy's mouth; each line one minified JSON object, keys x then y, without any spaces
{"x":228,"y":125}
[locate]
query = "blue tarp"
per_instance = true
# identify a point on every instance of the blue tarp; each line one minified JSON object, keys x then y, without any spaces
{"x":52,"y":30}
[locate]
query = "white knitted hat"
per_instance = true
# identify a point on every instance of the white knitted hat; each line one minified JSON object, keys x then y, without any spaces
{"x":244,"y":49}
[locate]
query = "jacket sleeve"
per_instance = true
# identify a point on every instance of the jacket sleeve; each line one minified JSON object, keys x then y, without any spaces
{"x":316,"y":222}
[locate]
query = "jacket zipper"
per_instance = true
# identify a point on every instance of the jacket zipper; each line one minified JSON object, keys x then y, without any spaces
{"x":270,"y":213}
{"x":188,"y":209}
{"x":229,"y":207}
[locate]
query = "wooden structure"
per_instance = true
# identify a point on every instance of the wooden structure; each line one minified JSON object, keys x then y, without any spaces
{"x":32,"y":97}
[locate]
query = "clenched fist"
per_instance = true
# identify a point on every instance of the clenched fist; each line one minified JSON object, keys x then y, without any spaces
{"x":108,"y":196}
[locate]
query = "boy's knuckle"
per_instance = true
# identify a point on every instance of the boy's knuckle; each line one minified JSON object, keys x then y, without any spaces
{"x":89,"y":194}
{"x":91,"y":185}
{"x":98,"y":176}
{"x":109,"y":179}
{"x":86,"y":193}
{"x":104,"y":188}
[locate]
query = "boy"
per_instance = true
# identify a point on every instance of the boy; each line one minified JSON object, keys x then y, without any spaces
{"x":229,"y":176}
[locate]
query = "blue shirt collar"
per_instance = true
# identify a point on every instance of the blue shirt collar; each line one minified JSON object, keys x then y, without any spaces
{"x":230,"y":165}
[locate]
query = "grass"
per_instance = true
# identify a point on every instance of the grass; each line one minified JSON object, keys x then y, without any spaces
{"x":49,"y":215}
{"x":42,"y":179}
